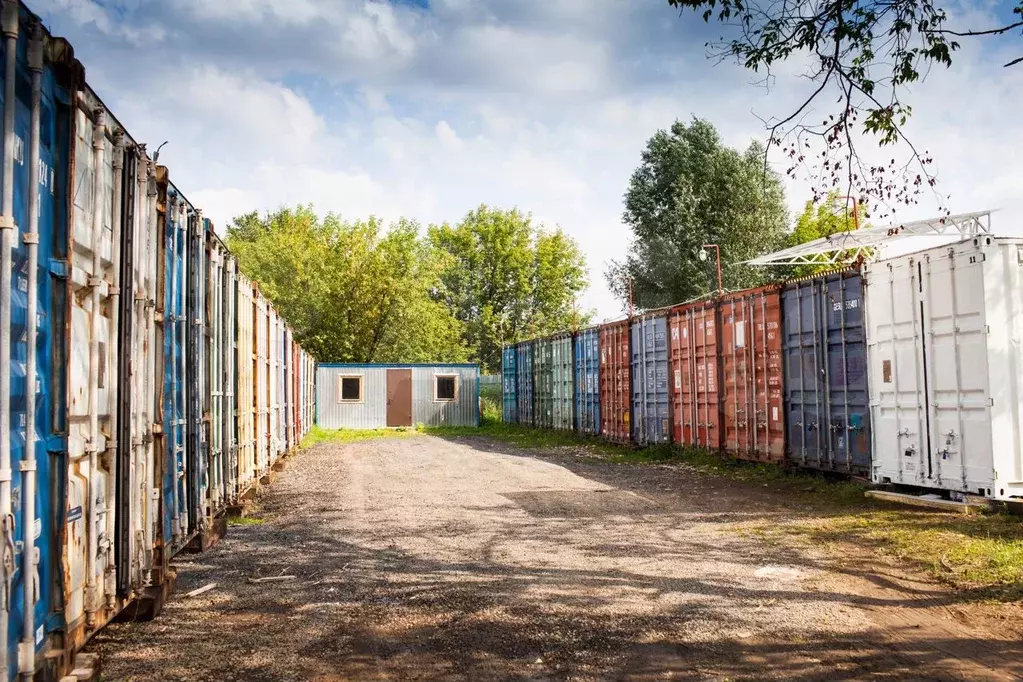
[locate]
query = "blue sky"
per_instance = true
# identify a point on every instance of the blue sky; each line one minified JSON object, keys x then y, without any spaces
{"x":425,"y":109}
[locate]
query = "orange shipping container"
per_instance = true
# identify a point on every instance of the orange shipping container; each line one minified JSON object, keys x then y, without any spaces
{"x":752,"y":374}
{"x":615,"y":382}
{"x":695,"y":351}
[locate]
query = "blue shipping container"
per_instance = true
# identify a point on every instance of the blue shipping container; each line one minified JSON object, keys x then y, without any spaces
{"x":825,"y":351}
{"x":650,"y":403}
{"x":195,"y":373}
{"x":587,"y":381}
{"x":524,"y":374}
{"x":49,"y":435}
{"x":510,"y":409}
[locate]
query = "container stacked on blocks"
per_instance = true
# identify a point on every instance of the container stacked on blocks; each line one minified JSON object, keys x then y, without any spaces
{"x":119,"y":364}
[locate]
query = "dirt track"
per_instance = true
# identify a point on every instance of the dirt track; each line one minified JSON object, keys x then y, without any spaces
{"x":422,"y":558}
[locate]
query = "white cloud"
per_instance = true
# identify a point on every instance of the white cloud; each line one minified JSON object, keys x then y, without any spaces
{"x":366,"y":107}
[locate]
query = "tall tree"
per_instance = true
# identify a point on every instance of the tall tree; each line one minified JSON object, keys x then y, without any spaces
{"x":352,"y":291}
{"x":690,"y":190}
{"x":863,"y":56}
{"x":506,"y":279}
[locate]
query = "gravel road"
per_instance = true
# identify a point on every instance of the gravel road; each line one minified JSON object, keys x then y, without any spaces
{"x":423,"y":558}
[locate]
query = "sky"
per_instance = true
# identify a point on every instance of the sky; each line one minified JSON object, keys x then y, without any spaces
{"x":427,"y":108}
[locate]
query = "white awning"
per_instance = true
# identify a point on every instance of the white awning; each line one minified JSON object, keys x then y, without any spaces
{"x":848,"y":247}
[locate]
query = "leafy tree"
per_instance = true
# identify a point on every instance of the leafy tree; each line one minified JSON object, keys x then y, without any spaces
{"x":821,"y":219}
{"x":866,"y":54}
{"x":691,"y":190}
{"x":352,"y":291}
{"x":506,"y":279}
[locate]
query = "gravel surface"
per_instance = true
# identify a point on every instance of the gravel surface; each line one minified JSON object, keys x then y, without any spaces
{"x":424,"y":558}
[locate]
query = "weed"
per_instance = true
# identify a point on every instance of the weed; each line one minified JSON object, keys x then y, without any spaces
{"x":245,"y":521}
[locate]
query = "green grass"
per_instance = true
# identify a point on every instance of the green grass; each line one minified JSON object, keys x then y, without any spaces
{"x":319,"y":435}
{"x":245,"y":521}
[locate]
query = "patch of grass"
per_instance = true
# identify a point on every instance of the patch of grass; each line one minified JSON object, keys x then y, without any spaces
{"x":981,"y":552}
{"x":245,"y":521}
{"x":524,"y":437}
{"x":319,"y":435}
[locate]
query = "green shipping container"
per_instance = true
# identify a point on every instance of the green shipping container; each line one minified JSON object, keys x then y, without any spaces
{"x":563,"y":400}
{"x":543,"y":384}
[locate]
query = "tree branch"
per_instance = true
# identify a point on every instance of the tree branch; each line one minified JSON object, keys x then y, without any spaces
{"x":988,"y":32}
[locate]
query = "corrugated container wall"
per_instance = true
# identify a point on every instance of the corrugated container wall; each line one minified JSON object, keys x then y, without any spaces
{"x":562,"y":382}
{"x":650,"y":400}
{"x":543,"y":384}
{"x":261,"y":386}
{"x":825,"y":357}
{"x":524,"y":385}
{"x":944,"y":328}
{"x":273,"y":355}
{"x":752,"y":374}
{"x":216,"y":257}
{"x":37,"y":303}
{"x":368,"y":409}
{"x":587,"y":381}
{"x":93,"y":380}
{"x":196,"y":371}
{"x":615,"y":382}
{"x":695,"y":386}
{"x":509,"y":395}
{"x":245,"y":388}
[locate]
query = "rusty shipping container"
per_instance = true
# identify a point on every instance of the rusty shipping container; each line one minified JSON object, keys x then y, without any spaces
{"x":615,"y":382}
{"x":695,"y":384}
{"x":752,"y":374}
{"x":825,"y":353}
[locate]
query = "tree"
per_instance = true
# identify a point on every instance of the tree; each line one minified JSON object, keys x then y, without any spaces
{"x":691,"y":190}
{"x":864,"y":53}
{"x":821,"y":219}
{"x":352,"y":291}
{"x":506,"y":279}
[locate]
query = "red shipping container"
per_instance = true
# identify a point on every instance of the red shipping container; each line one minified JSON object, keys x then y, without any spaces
{"x":695,"y":352}
{"x":752,"y":374}
{"x":615,"y":382}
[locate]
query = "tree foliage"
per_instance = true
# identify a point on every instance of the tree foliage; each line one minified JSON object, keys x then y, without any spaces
{"x":865,"y":54}
{"x":506,"y":279}
{"x":822,"y":219}
{"x":690,"y":190}
{"x":352,"y":291}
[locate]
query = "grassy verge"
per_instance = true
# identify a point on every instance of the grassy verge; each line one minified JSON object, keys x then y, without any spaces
{"x":317,"y":435}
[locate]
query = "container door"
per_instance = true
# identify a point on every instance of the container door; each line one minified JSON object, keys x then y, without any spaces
{"x":956,"y":354}
{"x":896,"y":372}
{"x":399,"y":397}
{"x":563,"y":384}
{"x":508,"y":391}
{"x":804,"y":373}
{"x":650,"y":381}
{"x":696,"y":402}
{"x":848,"y":400}
{"x":615,"y":383}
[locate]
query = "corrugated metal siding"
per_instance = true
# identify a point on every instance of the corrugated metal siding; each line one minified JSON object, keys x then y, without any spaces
{"x":462,"y":412}
{"x":652,"y":418}
{"x":371,"y":413}
{"x":510,"y":398}
{"x":615,"y":382}
{"x":563,"y":383}
{"x":824,"y":348}
{"x":245,"y":388}
{"x":696,"y":380}
{"x":524,"y":382}
{"x":587,"y":382}
{"x":543,"y":384}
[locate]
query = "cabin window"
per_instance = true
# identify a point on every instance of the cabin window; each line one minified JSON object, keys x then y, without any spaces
{"x":445,"y":388}
{"x":350,"y":389}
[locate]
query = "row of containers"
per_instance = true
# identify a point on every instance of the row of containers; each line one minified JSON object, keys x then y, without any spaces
{"x":905,"y":371}
{"x":146,"y":385}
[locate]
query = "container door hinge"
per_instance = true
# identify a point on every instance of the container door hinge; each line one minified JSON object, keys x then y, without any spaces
{"x":58,"y":268}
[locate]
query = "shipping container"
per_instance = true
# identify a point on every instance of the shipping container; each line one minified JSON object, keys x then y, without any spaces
{"x":196,"y":392}
{"x":371,"y":396}
{"x":753,"y":407}
{"x":220,"y":325}
{"x":615,"y":382}
{"x":261,"y":384}
{"x":245,"y":387}
{"x":562,"y":382}
{"x":825,"y":358}
{"x":695,"y":354}
{"x":35,"y":355}
{"x":587,"y":381}
{"x":524,"y":382}
{"x":651,"y":408}
{"x":943,"y":334}
{"x":509,"y":394}
{"x":543,"y":384}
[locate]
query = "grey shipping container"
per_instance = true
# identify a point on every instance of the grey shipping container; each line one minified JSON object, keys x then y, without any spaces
{"x":587,"y":381}
{"x":562,"y":383}
{"x":524,"y":377}
{"x":825,"y":356}
{"x":371,"y":396}
{"x":650,"y":404}
{"x":510,"y":399}
{"x":543,"y":384}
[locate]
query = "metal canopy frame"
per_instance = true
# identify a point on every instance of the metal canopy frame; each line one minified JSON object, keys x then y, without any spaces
{"x":850,"y":246}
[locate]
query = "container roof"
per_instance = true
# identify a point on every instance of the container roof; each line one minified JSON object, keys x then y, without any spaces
{"x":853,"y":245}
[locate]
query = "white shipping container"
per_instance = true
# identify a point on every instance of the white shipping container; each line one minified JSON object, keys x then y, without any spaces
{"x":245,"y":397}
{"x":943,"y":333}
